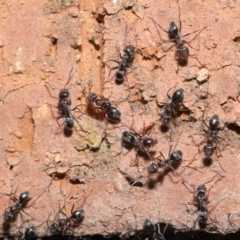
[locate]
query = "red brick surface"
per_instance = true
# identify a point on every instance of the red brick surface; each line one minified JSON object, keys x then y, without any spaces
{"x":40,"y":41}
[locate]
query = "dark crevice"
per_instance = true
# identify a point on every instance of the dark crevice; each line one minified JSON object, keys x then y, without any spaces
{"x":237,"y":39}
{"x":234,"y":127}
{"x":169,"y":234}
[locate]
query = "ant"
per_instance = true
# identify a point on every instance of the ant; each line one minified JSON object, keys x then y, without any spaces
{"x":104,"y":105}
{"x":212,"y":138}
{"x":166,"y":163}
{"x":64,"y":103}
{"x":126,"y":61}
{"x":174,"y":34}
{"x":153,"y":231}
{"x":173,"y":159}
{"x":138,"y":141}
{"x":62,"y":225}
{"x":30,"y":233}
{"x":10,"y":213}
{"x":201,"y":201}
{"x":172,"y":109}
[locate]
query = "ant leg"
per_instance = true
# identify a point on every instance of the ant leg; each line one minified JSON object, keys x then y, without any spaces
{"x":194,"y":36}
{"x":156,"y":24}
{"x":203,"y":141}
{"x":58,"y":122}
{"x":179,"y":17}
{"x":171,"y":167}
{"x":188,"y":165}
{"x":170,"y":90}
{"x":49,"y":90}
{"x":79,"y":124}
{"x":41,"y":193}
{"x":14,"y":199}
{"x":195,"y":221}
{"x":118,"y":50}
{"x":111,"y":70}
{"x":77,"y":107}
{"x":69,"y":78}
{"x":220,"y":165}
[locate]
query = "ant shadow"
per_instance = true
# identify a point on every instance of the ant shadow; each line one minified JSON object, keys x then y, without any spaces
{"x":67,"y":132}
{"x":207,"y":161}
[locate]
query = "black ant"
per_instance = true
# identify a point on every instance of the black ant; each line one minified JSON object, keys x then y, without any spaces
{"x":10,"y":213}
{"x":173,"y":160}
{"x":64,"y":103}
{"x":172,"y":109}
{"x":126,"y":61}
{"x":174,"y":33}
{"x":104,"y":105}
{"x":30,"y":233}
{"x":153,"y":230}
{"x":165,"y":163}
{"x":212,"y":138}
{"x":62,"y":225}
{"x":138,"y":141}
{"x":201,"y":201}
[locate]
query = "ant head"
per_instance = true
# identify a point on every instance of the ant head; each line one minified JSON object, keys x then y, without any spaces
{"x":119,"y":76}
{"x":129,"y":50}
{"x":214,"y":122}
{"x":153,"y":168}
{"x":128,"y":138}
{"x":148,"y":226}
{"x":176,"y":156}
{"x":30,"y":232}
{"x":201,"y":190}
{"x":208,"y":150}
{"x":24,"y":197}
{"x":91,"y":97}
{"x":173,"y":30}
{"x":64,"y":93}
{"x":113,"y":114}
{"x":178,"y":96}
{"x":149,"y":142}
{"x":68,"y":123}
{"x":78,"y":214}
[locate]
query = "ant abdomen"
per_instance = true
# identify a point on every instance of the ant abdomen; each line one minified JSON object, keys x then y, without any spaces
{"x":78,"y":214}
{"x":214,"y":122}
{"x":153,"y":168}
{"x":24,"y":197}
{"x":148,"y":226}
{"x":119,"y":76}
{"x":113,"y":114}
{"x":178,"y":96}
{"x":176,"y":156}
{"x":128,"y":138}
